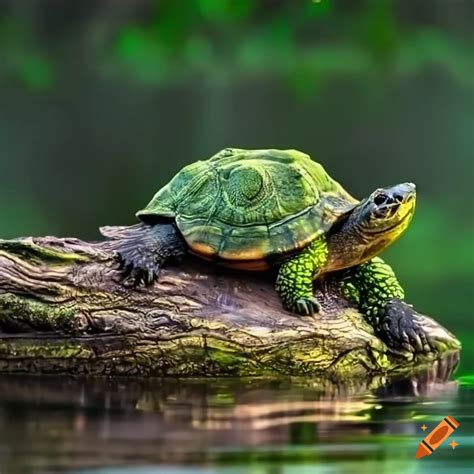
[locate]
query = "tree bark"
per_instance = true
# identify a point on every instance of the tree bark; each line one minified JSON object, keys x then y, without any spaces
{"x":64,"y":309}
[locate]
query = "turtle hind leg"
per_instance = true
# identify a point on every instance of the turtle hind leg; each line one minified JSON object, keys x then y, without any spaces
{"x":143,"y":249}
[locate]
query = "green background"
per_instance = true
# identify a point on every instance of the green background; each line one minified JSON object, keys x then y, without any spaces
{"x":103,"y":102}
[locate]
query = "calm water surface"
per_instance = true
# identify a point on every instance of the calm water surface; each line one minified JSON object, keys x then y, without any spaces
{"x":121,"y":426}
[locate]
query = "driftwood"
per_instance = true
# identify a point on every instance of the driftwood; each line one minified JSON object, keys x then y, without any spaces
{"x":64,"y":309}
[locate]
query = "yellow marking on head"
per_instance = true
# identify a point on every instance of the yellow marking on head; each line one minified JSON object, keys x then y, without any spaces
{"x":403,"y":216}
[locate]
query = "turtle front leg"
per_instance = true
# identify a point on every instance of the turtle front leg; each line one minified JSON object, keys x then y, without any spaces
{"x":375,"y":290}
{"x":143,"y":249}
{"x":295,"y":278}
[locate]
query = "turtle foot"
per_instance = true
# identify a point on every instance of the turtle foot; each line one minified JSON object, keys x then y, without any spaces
{"x":137,"y":267}
{"x":401,"y":328}
{"x":141,"y":250}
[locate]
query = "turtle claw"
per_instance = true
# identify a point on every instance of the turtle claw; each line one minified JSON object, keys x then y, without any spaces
{"x":307,"y":306}
{"x":150,"y":276}
{"x":137,"y":269}
{"x":401,"y":328}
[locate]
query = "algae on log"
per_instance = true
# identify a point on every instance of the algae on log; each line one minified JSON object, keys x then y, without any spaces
{"x":64,"y":309}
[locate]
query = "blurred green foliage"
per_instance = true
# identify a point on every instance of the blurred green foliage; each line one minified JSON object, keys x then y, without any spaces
{"x":302,"y":41}
{"x":103,"y":102}
{"x":179,"y":39}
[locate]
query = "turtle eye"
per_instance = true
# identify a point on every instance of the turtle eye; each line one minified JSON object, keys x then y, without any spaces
{"x":380,"y":199}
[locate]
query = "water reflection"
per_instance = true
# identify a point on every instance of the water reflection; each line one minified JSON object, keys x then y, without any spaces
{"x":259,"y":425}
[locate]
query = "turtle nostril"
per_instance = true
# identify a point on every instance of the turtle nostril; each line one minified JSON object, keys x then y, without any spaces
{"x":398,"y":197}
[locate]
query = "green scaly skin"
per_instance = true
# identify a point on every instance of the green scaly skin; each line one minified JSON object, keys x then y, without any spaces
{"x":369,"y":286}
{"x":295,"y":278}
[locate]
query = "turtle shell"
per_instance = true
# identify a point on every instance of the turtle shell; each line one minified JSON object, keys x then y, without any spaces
{"x":248,"y":206}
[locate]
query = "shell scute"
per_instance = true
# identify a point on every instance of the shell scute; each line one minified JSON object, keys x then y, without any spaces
{"x":249,"y":205}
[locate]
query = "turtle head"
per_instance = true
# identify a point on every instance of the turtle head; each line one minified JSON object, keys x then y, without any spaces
{"x":384,"y":216}
{"x":372,"y":225}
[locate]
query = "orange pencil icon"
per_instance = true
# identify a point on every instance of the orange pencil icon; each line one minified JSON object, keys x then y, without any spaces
{"x":436,"y":437}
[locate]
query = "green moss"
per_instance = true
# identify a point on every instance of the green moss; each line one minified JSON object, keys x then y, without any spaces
{"x":360,"y":362}
{"x":22,"y":312}
{"x":28,"y":247}
{"x":231,"y":362}
{"x":27,"y":349}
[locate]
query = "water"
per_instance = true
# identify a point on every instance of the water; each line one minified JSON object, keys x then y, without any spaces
{"x":122,"y":426}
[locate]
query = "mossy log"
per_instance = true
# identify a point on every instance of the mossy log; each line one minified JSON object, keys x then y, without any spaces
{"x":64,"y":309}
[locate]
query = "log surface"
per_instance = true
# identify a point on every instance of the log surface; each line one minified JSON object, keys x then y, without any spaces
{"x":64,"y":309}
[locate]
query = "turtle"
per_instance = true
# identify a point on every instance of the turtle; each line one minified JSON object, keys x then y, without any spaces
{"x":261,"y":209}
